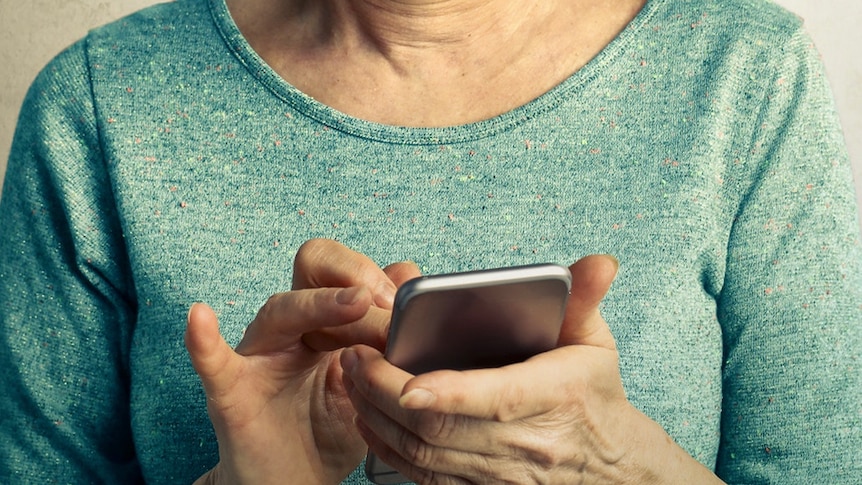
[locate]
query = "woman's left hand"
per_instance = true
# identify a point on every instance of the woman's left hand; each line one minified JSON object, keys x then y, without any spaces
{"x":559,"y":417}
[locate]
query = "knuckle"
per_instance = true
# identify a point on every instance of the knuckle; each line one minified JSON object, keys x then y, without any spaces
{"x":500,"y":470}
{"x":492,"y":469}
{"x":309,"y":251}
{"x":419,"y":475}
{"x":508,"y":404}
{"x":416,"y":451}
{"x":440,"y":479}
{"x":426,"y":477}
{"x":550,"y":455}
{"x":437,"y":428}
{"x":546,"y":459}
{"x":266,"y":312}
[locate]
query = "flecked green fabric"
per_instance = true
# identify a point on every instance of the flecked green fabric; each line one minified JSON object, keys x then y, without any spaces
{"x":159,"y":162}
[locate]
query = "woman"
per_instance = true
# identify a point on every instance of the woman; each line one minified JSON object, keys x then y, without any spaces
{"x":185,"y":153}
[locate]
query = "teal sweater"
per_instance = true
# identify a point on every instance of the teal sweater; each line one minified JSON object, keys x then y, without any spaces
{"x":159,"y":162}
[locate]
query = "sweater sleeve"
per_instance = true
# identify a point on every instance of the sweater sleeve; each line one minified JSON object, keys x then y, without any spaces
{"x":66,"y":299}
{"x":791,"y":303}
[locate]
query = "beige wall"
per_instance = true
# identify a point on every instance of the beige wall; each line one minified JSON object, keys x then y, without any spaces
{"x":834,"y":26}
{"x":33,"y":31}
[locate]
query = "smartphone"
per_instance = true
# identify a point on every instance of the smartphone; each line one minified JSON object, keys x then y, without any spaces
{"x":470,"y":320}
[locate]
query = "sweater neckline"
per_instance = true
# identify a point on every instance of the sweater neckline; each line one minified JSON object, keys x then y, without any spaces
{"x":338,"y":120}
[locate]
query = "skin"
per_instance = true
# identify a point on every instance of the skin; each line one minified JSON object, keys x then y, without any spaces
{"x":279,"y":394}
{"x":429,"y":62}
{"x":308,"y":388}
{"x":523,"y":423}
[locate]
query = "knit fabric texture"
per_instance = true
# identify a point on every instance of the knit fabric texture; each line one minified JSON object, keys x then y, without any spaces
{"x":159,"y":162}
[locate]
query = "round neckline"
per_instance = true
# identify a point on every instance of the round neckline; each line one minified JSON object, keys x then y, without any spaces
{"x":370,"y":130}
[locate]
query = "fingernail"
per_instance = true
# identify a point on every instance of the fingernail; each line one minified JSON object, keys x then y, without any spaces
{"x":614,"y":259}
{"x":348,"y":296}
{"x":189,"y":314}
{"x":349,"y":359}
{"x":417,"y":399}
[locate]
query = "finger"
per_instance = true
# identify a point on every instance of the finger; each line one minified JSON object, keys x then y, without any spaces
{"x":400,"y":273}
{"x":416,"y":442}
{"x":212,"y":358}
{"x":412,"y":471}
{"x":372,"y":381}
{"x":281,"y":322}
{"x":534,"y":387}
{"x":370,"y":373}
{"x":425,"y":436}
{"x":376,"y":392}
{"x":372,"y":330}
{"x":369,"y":330}
{"x":592,"y":277}
{"x":323,"y":263}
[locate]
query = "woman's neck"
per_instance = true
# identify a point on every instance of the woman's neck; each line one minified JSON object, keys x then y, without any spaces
{"x":442,"y":24}
{"x":395,"y":29}
{"x":428,"y":62}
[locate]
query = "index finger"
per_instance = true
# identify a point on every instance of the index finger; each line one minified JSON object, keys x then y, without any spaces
{"x":321,"y":263}
{"x":535,"y":386}
{"x":285,"y":317}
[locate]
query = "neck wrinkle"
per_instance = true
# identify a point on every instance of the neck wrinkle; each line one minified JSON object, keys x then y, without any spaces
{"x":390,"y":25}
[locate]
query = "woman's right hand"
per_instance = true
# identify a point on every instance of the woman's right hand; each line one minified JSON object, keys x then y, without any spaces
{"x":277,"y":401}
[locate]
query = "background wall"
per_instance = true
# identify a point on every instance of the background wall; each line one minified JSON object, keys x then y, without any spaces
{"x":32,"y":32}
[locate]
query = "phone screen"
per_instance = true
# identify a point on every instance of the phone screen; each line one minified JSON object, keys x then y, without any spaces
{"x":478,"y":319}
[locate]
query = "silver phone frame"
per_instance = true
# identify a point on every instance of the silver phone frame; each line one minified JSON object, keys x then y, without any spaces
{"x":375,"y":469}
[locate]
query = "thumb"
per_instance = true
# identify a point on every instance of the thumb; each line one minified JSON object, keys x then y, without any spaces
{"x":583,"y":324}
{"x":211,"y":356}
